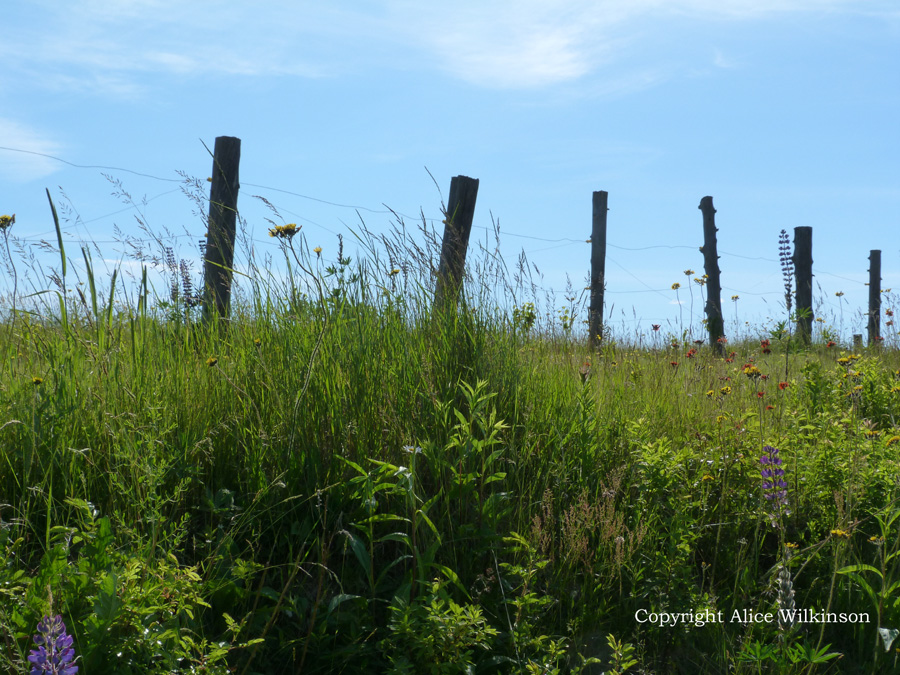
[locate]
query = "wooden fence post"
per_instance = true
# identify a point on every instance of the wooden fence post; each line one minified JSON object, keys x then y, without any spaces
{"x":714,"y":320}
{"x":219,"y":259}
{"x":802,"y":259}
{"x":874,"y":297}
{"x":598,"y":267}
{"x":457,"y":227}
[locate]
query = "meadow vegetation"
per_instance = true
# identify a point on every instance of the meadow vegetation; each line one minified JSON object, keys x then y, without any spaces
{"x":340,"y":479}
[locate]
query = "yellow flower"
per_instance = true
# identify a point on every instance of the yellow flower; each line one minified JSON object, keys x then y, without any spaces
{"x":284,"y":231}
{"x":211,"y":361}
{"x":839,"y":294}
{"x":725,"y":391}
{"x":37,"y":380}
{"x":735,"y":297}
{"x":257,"y":341}
{"x":892,"y":440}
{"x":688,"y":273}
{"x":6,"y":221}
{"x":318,"y":250}
{"x":710,"y":393}
{"x":394,"y":271}
{"x":676,"y":286}
{"x":790,"y":544}
{"x":707,"y":477}
{"x":841,"y":534}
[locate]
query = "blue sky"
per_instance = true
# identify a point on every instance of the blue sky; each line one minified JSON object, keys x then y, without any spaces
{"x":785,"y":111}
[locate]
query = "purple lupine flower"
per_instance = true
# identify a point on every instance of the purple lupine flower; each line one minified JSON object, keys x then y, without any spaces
{"x":54,"y":652}
{"x":774,"y":485}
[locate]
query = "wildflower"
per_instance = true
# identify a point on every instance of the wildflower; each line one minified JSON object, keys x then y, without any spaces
{"x":725,"y":391}
{"x":257,"y":342}
{"x":655,"y":326}
{"x":209,"y":180}
{"x":284,"y":231}
{"x":774,"y":486}
{"x":676,"y":286}
{"x":765,"y":347}
{"x":54,"y":652}
{"x":735,"y":298}
{"x":698,"y":342}
{"x":892,"y":440}
{"x":785,"y":592}
{"x":887,"y":312}
{"x":688,"y":273}
{"x":394,"y":272}
{"x":751,"y":371}
{"x":760,"y":394}
{"x":674,"y":364}
{"x":707,"y":477}
{"x":840,"y":534}
{"x":787,"y":266}
{"x":37,"y":381}
{"x":839,"y":294}
{"x":722,"y":340}
{"x":729,"y":360}
{"x":783,"y":385}
{"x":720,"y":419}
{"x":211,"y":361}
{"x":318,"y":250}
{"x":889,"y":323}
{"x":831,"y":343}
{"x":7,"y":221}
{"x":875,"y":539}
{"x":711,"y":393}
{"x":770,"y":407}
{"x":690,"y":353}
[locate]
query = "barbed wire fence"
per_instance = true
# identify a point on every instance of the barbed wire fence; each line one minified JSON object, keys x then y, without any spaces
{"x":282,"y":208}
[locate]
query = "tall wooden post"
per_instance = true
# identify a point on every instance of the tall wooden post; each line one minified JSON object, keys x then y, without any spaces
{"x":598,"y":267}
{"x":802,"y":259}
{"x":874,"y":297}
{"x":457,"y":227}
{"x":219,"y":260}
{"x":714,"y":319}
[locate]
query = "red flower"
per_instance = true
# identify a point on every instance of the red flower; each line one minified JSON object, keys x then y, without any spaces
{"x":722,"y":340}
{"x":783,"y":385}
{"x":698,"y":342}
{"x":674,"y":364}
{"x":729,"y":360}
{"x":655,"y":326}
{"x":690,"y":353}
{"x":765,"y":347}
{"x":760,"y":394}
{"x":831,"y":343}
{"x":770,"y":407}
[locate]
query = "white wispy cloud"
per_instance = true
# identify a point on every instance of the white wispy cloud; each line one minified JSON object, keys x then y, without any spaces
{"x":111,"y":45}
{"x":27,"y":162}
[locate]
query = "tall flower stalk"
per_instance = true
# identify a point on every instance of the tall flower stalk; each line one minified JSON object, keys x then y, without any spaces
{"x":54,"y":653}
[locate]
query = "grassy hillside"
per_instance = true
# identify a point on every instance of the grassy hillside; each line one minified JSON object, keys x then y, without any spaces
{"x":341,"y":480}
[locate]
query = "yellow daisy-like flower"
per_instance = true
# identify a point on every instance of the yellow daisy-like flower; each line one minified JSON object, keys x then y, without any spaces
{"x":875,"y":539}
{"x":211,"y":361}
{"x":7,"y":221}
{"x":840,"y":534}
{"x":284,"y":231}
{"x":257,"y":341}
{"x":676,"y":286}
{"x":735,"y":297}
{"x":318,"y":250}
{"x":892,"y":440}
{"x":711,"y":393}
{"x":37,"y":380}
{"x":725,"y":391}
{"x":790,"y":544}
{"x":688,"y":273}
{"x":707,"y":477}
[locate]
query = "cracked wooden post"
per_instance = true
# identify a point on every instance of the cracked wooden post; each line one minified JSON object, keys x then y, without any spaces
{"x":598,"y":267}
{"x":457,"y":227}
{"x":874,"y":298}
{"x":803,"y":261}
{"x":715,"y":322}
{"x":222,"y":224}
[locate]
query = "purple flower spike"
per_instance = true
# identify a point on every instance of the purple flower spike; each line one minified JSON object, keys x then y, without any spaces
{"x":54,"y":653}
{"x":774,"y":486}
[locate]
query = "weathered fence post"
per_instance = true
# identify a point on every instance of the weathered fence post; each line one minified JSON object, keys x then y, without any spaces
{"x":598,"y":267}
{"x":714,"y":320}
{"x":802,"y":259}
{"x":874,"y":297}
{"x":457,"y":227}
{"x":222,"y":224}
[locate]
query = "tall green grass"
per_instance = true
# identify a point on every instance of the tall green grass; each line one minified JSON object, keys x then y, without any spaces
{"x":340,"y":479}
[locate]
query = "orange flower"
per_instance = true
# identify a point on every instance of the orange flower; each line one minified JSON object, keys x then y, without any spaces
{"x":783,"y":385}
